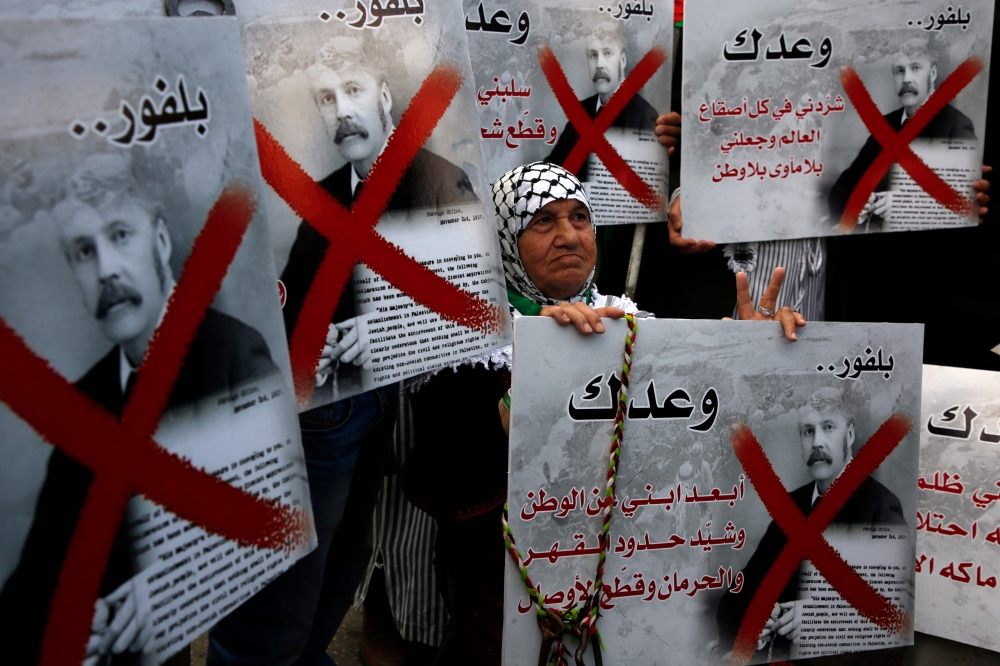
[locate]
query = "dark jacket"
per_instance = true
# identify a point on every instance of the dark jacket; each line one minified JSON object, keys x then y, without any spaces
{"x":637,"y":114}
{"x":949,"y":123}
{"x":223,"y":354}
{"x":430,"y":181}
{"x":457,"y":472}
{"x":871,"y":504}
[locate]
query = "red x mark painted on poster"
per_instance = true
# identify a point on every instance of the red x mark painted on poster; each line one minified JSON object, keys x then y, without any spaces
{"x":122,"y":454}
{"x":592,"y":139}
{"x":805,"y":535}
{"x":352,"y":232}
{"x":896,"y":147}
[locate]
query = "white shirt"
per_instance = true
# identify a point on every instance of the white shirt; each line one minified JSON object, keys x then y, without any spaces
{"x":357,"y":179}
{"x":125,"y":367}
{"x":816,"y":493}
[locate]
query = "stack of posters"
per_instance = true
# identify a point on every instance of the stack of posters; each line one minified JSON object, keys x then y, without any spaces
{"x":958,"y":519}
{"x":365,"y":116}
{"x":855,"y":117}
{"x":546,"y":72}
{"x":765,"y":501}
{"x":152,"y":455}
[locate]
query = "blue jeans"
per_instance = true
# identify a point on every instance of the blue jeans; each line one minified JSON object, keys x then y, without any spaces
{"x":294,"y":618}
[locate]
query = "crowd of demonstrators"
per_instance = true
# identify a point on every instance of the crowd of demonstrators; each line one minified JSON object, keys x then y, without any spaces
{"x":550,"y":260}
{"x":451,"y":438}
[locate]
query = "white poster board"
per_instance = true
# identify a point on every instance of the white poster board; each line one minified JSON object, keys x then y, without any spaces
{"x":591,"y":48}
{"x":775,"y":145}
{"x":958,"y":521}
{"x":130,"y":181}
{"x":691,"y":540}
{"x":333,"y":87}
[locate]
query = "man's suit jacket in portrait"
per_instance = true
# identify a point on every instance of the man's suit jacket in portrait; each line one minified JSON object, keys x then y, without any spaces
{"x":871,"y":504}
{"x":949,"y":123}
{"x":224,"y":354}
{"x":638,"y":114}
{"x":430,"y":181}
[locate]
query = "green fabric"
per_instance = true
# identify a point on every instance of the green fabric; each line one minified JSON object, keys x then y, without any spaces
{"x":523,"y":304}
{"x":528,"y":307}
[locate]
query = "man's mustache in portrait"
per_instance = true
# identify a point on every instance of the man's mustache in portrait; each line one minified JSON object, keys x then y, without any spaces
{"x":818,"y":455}
{"x":908,"y":88}
{"x":114,"y":293}
{"x":347,"y":128}
{"x":601,"y":74}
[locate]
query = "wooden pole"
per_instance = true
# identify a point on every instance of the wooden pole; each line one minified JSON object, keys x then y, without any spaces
{"x":635,"y":259}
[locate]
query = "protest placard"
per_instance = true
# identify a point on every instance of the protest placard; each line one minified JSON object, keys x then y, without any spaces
{"x":579,"y":84}
{"x":765,"y":495}
{"x":383,"y":228}
{"x":802,"y":121}
{"x":958,"y":524}
{"x":153,"y":457}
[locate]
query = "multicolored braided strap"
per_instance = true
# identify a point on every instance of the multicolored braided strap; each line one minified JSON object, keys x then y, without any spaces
{"x":582,"y":622}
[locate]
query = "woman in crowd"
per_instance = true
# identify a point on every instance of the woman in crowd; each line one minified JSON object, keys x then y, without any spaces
{"x":457,"y":471}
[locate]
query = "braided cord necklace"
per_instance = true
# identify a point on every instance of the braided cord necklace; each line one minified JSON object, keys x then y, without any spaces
{"x":582,"y":622}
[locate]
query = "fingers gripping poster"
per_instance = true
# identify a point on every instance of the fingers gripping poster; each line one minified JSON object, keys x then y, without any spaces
{"x":958,"y":523}
{"x":855,"y":117}
{"x":153,"y":473}
{"x":765,"y":501}
{"x":384,"y":236}
{"x":580,"y":85}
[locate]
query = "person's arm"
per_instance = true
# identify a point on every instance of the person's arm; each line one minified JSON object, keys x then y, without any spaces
{"x":668,"y":133}
{"x":789,"y":320}
{"x":674,"y":225}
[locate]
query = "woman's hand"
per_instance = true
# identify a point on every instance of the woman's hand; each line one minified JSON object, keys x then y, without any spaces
{"x":586,"y":319}
{"x":745,"y":307}
{"x":674,"y":225}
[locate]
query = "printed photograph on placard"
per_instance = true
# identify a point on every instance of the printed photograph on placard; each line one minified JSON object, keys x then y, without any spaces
{"x":21,"y":9}
{"x":131,"y":217}
{"x":788,"y":111}
{"x":958,"y":518}
{"x":369,"y":111}
{"x":726,"y":457}
{"x":546,"y":69}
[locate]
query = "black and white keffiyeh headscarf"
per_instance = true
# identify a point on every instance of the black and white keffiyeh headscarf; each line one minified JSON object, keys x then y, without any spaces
{"x":517,"y":196}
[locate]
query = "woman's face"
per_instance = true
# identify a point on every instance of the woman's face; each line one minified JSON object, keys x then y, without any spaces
{"x":558,"y":248}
